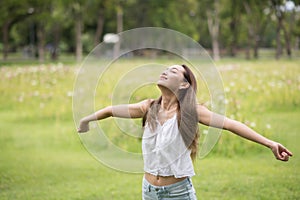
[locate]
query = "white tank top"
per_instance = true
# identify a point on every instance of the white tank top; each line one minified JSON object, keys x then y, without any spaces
{"x":164,"y":151}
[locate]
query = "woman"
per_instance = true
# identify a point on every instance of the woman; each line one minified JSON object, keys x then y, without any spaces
{"x":170,"y":139}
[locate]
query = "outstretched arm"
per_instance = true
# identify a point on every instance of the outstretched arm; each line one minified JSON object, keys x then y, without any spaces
{"x":209,"y":118}
{"x":136,"y":110}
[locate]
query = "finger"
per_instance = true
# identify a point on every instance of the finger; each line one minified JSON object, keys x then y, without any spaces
{"x":285,"y":156}
{"x":288,"y":152}
{"x":277,"y":154}
{"x":283,"y":149}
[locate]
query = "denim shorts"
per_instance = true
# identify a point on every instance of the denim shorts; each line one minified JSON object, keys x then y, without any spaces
{"x":183,"y":190}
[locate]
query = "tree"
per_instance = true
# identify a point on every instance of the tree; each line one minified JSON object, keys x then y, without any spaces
{"x":213,"y":22}
{"x":257,"y":20}
{"x":279,"y":10}
{"x":12,"y":12}
{"x":235,"y":12}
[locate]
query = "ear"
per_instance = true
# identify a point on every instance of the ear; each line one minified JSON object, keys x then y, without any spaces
{"x":184,"y":85}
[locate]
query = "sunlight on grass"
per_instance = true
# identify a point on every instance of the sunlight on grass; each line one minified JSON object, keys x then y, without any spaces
{"x":42,"y":156}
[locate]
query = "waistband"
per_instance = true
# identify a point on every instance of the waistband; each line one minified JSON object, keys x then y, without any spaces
{"x":150,"y":187}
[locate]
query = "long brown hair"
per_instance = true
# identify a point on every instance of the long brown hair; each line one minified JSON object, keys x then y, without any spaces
{"x":187,"y":116}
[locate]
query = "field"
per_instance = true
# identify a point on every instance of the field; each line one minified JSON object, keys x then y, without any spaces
{"x":42,"y":156}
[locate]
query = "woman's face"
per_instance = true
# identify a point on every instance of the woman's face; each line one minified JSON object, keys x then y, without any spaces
{"x":172,"y":78}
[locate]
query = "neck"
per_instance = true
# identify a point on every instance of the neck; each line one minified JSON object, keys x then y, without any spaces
{"x":169,"y":101}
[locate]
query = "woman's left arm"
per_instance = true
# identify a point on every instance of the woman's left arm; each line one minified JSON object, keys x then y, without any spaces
{"x":209,"y":118}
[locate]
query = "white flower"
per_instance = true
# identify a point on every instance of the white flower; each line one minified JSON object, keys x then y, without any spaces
{"x":21,"y":98}
{"x":252,"y":124}
{"x":33,"y":82}
{"x":227,"y":89}
{"x":36,"y":93}
{"x":69,"y":93}
{"x":268,"y":126}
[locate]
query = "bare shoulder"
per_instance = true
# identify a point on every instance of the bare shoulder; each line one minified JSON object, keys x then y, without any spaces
{"x":145,"y":104}
{"x":201,"y":108}
{"x":203,"y":113}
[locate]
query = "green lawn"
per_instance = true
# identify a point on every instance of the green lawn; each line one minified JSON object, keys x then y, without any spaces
{"x":42,"y":156}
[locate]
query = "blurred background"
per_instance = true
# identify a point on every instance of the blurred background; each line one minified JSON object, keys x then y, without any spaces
{"x":255,"y":48}
{"x":57,"y":30}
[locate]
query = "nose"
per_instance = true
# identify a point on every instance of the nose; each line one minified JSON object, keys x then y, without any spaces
{"x":164,"y":72}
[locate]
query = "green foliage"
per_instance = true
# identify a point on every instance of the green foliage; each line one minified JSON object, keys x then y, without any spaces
{"x":58,"y":20}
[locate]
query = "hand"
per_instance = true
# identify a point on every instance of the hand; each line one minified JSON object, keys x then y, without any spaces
{"x":280,"y":152}
{"x":83,"y":126}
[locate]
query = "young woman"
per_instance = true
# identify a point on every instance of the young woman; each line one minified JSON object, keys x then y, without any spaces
{"x":170,"y":139}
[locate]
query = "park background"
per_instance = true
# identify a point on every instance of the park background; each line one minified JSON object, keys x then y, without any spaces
{"x":254,"y":44}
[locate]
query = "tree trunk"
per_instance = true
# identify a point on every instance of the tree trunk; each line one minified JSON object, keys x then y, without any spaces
{"x":255,"y":47}
{"x":78,"y":32}
{"x":5,"y":31}
{"x":41,"y":42}
{"x":287,"y":39}
{"x":119,"y":29}
{"x":6,"y":28}
{"x":278,"y":42}
{"x":99,"y":30}
{"x":216,"y":50}
{"x":279,"y":15}
{"x":213,"y":22}
{"x":297,"y":41}
{"x":232,"y":50}
{"x":56,"y":39}
{"x":235,"y":18}
{"x":249,"y":40}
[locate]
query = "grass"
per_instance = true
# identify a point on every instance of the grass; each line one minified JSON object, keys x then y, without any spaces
{"x":42,"y":156}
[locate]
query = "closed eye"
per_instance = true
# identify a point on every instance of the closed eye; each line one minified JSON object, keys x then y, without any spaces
{"x":173,"y":70}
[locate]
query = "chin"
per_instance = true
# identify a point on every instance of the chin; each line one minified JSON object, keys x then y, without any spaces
{"x":161,"y":83}
{"x":163,"y":86}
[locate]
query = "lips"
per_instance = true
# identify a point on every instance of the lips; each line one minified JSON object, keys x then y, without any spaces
{"x":162,"y":77}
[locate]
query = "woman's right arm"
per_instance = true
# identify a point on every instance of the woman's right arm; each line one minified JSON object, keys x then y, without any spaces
{"x":136,"y":110}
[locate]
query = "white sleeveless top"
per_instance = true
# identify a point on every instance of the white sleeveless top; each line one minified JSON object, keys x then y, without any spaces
{"x":164,"y":151}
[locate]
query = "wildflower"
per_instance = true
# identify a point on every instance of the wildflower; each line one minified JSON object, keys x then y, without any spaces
{"x":268,"y":126}
{"x":33,"y":82}
{"x":69,"y":93}
{"x":227,"y":89}
{"x":36,"y":93}
{"x":271,"y":84}
{"x":21,"y":98}
{"x":253,"y":124}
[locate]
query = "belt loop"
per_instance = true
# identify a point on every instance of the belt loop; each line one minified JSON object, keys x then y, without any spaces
{"x":149,"y":188}
{"x":189,"y":180}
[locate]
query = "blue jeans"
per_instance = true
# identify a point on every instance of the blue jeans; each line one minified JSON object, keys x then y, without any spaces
{"x":183,"y":190}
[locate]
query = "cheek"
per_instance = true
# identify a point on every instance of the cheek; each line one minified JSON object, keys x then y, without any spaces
{"x":174,"y":83}
{"x":175,"y":80}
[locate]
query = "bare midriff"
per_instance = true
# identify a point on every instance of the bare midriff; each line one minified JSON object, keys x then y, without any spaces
{"x":162,"y":180}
